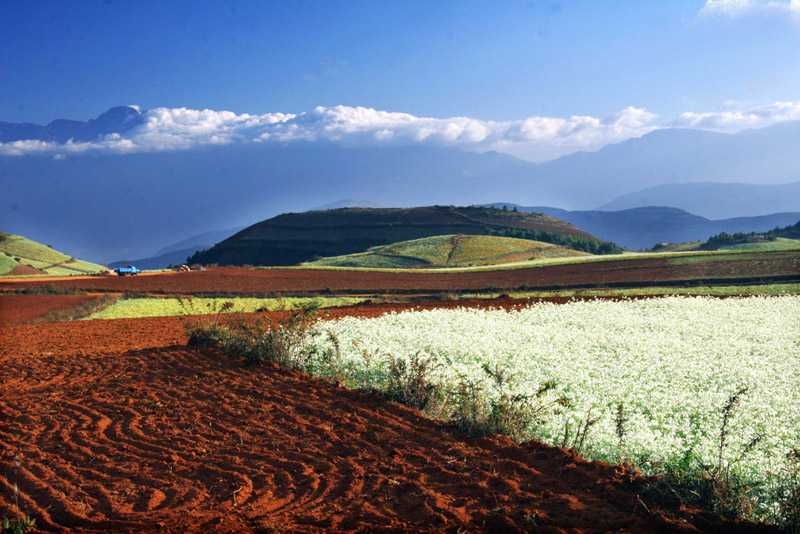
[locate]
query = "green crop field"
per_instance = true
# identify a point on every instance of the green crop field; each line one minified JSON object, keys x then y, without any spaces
{"x":450,"y":251}
{"x":7,"y":263}
{"x":744,"y":290}
{"x":780,"y":243}
{"x":163,"y":307}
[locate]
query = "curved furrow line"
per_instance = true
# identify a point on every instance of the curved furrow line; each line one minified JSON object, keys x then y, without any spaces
{"x":219,"y":486}
{"x":144,"y":459}
{"x":349,"y":482}
{"x":121,"y":430}
{"x":285,"y":482}
{"x":158,"y":430}
{"x":26,"y":499}
{"x":313,"y":486}
{"x":191,"y":499}
{"x":71,"y":433}
{"x":59,"y":472}
{"x":116,"y":493}
{"x":64,"y":508}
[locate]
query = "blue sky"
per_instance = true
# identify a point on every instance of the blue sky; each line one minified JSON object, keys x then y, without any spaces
{"x":725,"y":62}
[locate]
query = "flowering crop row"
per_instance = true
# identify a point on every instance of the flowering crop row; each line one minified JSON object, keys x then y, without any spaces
{"x":673,"y":362}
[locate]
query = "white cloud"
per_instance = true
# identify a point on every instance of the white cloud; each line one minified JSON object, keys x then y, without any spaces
{"x":537,"y":138}
{"x":736,"y":8}
{"x":734,"y":120}
{"x":166,"y":129}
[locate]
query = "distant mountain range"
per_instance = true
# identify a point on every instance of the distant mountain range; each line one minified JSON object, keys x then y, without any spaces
{"x":764,"y":156}
{"x":714,"y":200}
{"x":643,"y":228}
{"x":177,"y":253}
{"x":116,"y":120}
{"x":105,"y":206}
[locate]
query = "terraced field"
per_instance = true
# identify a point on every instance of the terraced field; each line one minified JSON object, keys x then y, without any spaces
{"x":614,"y":272}
{"x":449,"y":251}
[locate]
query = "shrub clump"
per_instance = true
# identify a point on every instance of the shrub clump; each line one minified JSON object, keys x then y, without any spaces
{"x":474,"y":408}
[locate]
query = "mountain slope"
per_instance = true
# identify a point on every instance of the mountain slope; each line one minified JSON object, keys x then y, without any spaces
{"x":296,"y":237}
{"x":23,"y":256}
{"x":714,"y":200}
{"x":642,"y":228}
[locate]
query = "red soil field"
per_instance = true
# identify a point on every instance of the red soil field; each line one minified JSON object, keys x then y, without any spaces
{"x":22,"y":308}
{"x":628,"y":273}
{"x":22,"y":270}
{"x":118,"y":426}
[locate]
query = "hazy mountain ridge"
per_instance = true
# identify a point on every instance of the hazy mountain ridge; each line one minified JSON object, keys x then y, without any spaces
{"x":118,"y":120}
{"x":161,"y":261}
{"x":714,"y":200}
{"x":642,"y":228}
{"x":764,"y":156}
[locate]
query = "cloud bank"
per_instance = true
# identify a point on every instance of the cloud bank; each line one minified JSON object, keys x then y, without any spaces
{"x":727,"y":121}
{"x":538,"y":137}
{"x":736,"y":8}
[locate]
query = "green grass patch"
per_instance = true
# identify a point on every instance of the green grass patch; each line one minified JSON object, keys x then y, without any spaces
{"x":18,"y":246}
{"x":693,"y":258}
{"x":83,"y":266}
{"x":164,"y":307}
{"x":36,"y":264}
{"x":366,"y":260}
{"x":674,"y":258}
{"x":42,"y":257}
{"x":7,"y":263}
{"x":764,"y":289}
{"x":58,"y":270}
{"x":780,"y":243}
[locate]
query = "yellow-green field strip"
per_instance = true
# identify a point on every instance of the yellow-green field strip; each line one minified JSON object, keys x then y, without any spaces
{"x":165,"y":307}
{"x":764,"y":290}
{"x":689,"y":256}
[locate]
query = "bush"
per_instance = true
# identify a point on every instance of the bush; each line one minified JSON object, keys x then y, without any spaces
{"x":474,"y":408}
{"x":409,"y":382}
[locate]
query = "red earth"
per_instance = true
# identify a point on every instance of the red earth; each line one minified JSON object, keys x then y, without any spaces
{"x":23,"y":308}
{"x":728,"y":269}
{"x":22,"y":270}
{"x":118,"y":426}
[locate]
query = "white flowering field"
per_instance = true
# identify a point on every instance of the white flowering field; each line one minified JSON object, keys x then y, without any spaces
{"x":674,"y":362}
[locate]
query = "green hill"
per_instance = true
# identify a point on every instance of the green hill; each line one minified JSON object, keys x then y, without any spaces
{"x":778,"y":238}
{"x":20,"y":256}
{"x":293,"y":238}
{"x":450,"y":251}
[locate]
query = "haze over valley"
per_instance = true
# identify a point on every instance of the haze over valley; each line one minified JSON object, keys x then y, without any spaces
{"x":156,"y":195}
